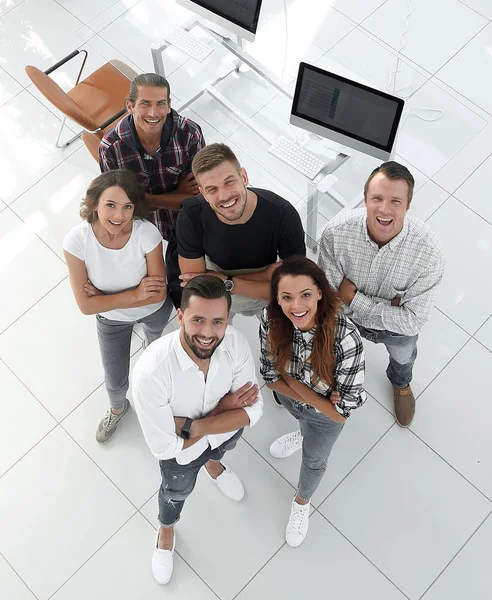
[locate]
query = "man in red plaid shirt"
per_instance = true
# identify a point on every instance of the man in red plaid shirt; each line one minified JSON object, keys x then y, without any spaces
{"x":158,"y":145}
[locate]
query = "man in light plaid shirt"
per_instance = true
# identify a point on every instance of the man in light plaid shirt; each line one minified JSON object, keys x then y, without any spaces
{"x":158,"y":145}
{"x":387,"y":267}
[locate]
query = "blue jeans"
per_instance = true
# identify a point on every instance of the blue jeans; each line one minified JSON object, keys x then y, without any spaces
{"x":114,"y":343}
{"x":319,"y":434}
{"x":178,"y":481}
{"x":402,"y":350}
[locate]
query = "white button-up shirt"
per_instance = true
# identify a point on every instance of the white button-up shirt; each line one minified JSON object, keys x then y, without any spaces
{"x":410,"y":266}
{"x":167,"y":383}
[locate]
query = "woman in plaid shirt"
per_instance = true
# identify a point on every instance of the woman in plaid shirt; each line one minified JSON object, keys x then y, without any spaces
{"x":309,"y":349}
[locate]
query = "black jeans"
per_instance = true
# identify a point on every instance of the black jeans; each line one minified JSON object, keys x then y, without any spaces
{"x":178,"y":481}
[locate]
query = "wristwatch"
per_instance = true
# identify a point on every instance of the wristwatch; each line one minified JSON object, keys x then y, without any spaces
{"x":229,"y":284}
{"x":186,"y":429}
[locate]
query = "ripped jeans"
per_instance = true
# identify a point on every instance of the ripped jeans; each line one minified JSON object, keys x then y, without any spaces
{"x":178,"y":481}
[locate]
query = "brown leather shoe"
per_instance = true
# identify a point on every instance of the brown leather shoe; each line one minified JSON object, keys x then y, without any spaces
{"x":404,"y":405}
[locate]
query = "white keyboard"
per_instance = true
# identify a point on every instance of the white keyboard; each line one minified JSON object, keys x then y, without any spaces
{"x":296,"y":156}
{"x":189,"y":44}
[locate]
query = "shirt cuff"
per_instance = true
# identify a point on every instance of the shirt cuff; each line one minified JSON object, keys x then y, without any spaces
{"x":360,"y":303}
{"x":254,"y":413}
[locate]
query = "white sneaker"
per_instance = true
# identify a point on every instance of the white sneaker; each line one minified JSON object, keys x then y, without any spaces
{"x":228,"y":483}
{"x":297,"y":526}
{"x":286,"y":445}
{"x":163,"y":562}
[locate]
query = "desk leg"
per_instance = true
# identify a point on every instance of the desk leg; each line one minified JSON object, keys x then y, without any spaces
{"x":312,"y":217}
{"x":156,"y":51}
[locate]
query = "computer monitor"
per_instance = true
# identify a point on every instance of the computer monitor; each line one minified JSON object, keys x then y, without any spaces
{"x":240,"y":17}
{"x":346,"y":112}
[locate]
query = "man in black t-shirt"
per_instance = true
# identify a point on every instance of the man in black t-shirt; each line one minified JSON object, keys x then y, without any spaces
{"x":235,"y":232}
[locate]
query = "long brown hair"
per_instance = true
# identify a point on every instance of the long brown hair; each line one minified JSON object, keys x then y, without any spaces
{"x":281,"y":328}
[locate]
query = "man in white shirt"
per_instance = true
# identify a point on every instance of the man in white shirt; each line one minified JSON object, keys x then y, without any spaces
{"x":387,"y":267}
{"x":194,"y":391}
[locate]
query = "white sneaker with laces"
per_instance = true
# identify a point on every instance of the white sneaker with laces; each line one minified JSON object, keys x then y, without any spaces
{"x":297,"y":526}
{"x":163,"y":562}
{"x":228,"y":483}
{"x":286,"y":445}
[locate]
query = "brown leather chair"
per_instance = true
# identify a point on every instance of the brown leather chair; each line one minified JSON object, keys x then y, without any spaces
{"x":96,"y":103}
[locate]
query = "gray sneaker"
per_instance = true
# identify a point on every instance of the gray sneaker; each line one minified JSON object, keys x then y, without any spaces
{"x":107,"y":426}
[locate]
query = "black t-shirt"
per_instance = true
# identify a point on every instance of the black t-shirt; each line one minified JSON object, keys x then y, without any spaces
{"x":274,"y":229}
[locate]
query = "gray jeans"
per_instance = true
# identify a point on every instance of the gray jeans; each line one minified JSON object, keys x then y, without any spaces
{"x":402,"y":350}
{"x":114,"y":344}
{"x":178,"y":481}
{"x":319,"y":434}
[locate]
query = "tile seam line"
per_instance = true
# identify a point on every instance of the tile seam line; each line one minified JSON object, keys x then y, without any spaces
{"x":15,"y":571}
{"x":259,"y":570}
{"x":78,"y":19}
{"x":474,"y":10}
{"x":433,"y":73}
{"x":75,"y":147}
{"x":179,"y":554}
{"x":31,"y":307}
{"x":445,"y":461}
{"x":366,"y":557}
{"x":356,"y":465}
{"x":37,"y":236}
{"x":455,"y":556}
{"x":65,"y":9}
{"x":473,"y":171}
{"x":134,"y":506}
{"x":11,"y":9}
{"x":472,"y":210}
{"x":7,"y":73}
{"x":92,"y":555}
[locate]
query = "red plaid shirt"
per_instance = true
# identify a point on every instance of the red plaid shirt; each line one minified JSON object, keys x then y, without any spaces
{"x":120,"y":148}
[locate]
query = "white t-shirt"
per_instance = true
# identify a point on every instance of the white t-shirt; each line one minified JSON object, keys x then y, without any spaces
{"x":114,"y":271}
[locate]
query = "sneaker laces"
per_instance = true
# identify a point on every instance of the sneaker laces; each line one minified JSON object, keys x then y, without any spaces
{"x":109,"y":420}
{"x":297,"y":517}
{"x":292,"y":440}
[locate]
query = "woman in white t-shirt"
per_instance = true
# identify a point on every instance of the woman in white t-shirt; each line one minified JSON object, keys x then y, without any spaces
{"x":117,"y":272}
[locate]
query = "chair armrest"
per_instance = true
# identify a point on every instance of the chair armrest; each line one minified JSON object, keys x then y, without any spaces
{"x":110,"y":120}
{"x":64,"y":60}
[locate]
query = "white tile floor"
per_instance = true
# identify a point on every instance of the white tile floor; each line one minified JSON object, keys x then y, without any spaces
{"x":400,"y":514}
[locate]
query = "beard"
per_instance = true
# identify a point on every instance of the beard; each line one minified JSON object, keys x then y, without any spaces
{"x":198,"y":351}
{"x":241,"y":207}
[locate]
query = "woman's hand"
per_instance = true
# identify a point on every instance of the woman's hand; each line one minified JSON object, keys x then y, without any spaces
{"x":91,"y":290}
{"x":335,"y":397}
{"x":150,"y":287}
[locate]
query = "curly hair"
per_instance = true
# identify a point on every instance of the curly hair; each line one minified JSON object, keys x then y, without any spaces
{"x":281,"y":328}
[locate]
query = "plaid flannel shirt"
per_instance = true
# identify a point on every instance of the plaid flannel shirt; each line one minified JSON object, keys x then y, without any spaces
{"x":349,"y":368}
{"x":120,"y":148}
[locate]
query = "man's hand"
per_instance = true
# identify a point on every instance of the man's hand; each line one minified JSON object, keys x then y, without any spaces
{"x":396,"y":301}
{"x":347,"y":291}
{"x":188,"y":185}
{"x":335,"y":397}
{"x":185,"y":277}
{"x":247,"y":395}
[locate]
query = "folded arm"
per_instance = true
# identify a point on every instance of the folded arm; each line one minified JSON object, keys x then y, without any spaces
{"x":253,"y":285}
{"x":90,"y":300}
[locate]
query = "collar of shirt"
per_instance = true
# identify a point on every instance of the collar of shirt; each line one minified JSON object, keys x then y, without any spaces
{"x":307,"y":336}
{"x":167,"y":131}
{"x":392,"y":244}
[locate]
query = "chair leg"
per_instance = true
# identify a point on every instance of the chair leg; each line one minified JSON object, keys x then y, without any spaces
{"x":71,"y":140}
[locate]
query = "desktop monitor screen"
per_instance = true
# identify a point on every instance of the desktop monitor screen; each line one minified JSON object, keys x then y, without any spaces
{"x":346,"y":112}
{"x":240,"y":17}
